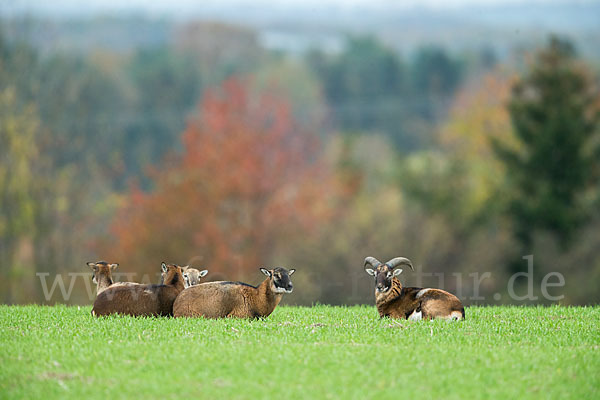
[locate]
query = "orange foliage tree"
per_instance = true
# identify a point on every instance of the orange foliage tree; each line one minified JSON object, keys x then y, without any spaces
{"x":248,"y":181}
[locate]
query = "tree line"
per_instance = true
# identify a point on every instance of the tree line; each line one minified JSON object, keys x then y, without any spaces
{"x":214,"y":150}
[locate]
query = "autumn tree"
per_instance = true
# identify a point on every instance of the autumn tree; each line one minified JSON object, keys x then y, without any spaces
{"x":554,"y":113}
{"x":247,"y":181}
{"x":461,"y":179}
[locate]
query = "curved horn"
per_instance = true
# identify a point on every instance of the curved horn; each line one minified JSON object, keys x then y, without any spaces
{"x":394,"y":262}
{"x":372,"y":261}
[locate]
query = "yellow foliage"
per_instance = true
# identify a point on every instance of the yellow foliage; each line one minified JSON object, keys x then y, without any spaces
{"x":478,"y":116}
{"x":17,"y":143}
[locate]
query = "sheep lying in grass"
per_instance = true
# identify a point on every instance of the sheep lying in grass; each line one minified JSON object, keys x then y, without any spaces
{"x":139,"y":299}
{"x":235,"y":299}
{"x":395,"y":301}
{"x":103,"y":276}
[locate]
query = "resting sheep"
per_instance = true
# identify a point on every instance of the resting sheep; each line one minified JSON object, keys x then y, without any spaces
{"x":395,"y":301}
{"x":138,"y":299}
{"x":102,"y":274}
{"x":235,"y":299}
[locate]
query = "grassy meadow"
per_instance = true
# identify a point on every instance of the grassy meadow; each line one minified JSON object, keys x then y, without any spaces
{"x":63,"y":352}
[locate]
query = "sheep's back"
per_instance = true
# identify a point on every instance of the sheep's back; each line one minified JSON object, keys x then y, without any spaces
{"x":128,"y":300}
{"x":210,"y":300}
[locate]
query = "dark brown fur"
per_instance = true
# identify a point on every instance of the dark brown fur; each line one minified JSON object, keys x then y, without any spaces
{"x":141,"y":300}
{"x":393,"y":300}
{"x":231,"y":299}
{"x":401,"y":302}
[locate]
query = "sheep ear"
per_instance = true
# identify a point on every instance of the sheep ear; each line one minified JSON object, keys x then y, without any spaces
{"x":203,"y":273}
{"x":113,"y":266}
{"x":397,"y":271}
{"x":291,"y":271}
{"x":266,"y":272}
{"x":370,"y":271}
{"x":92,"y":265}
{"x":164,"y":267}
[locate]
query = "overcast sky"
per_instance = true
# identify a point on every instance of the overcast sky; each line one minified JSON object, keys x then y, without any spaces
{"x":167,"y":6}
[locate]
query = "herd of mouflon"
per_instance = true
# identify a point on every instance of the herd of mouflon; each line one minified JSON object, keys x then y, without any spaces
{"x":182,"y":295}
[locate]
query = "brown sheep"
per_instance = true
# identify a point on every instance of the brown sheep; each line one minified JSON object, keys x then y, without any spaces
{"x":138,"y":299}
{"x":102,"y":274}
{"x":393,"y":300}
{"x":235,"y":299}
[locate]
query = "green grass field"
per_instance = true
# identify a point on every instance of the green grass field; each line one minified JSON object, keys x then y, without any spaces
{"x":319,"y":352}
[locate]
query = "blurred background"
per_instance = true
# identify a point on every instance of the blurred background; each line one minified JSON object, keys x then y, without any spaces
{"x":237,"y":134}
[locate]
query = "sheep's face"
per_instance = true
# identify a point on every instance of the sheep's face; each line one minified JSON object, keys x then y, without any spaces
{"x":280,"y":279}
{"x":383,"y":275}
{"x":101,"y":268}
{"x":192,"y":276}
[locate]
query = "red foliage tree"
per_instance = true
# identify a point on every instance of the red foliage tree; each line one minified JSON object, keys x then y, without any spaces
{"x":248,"y":180}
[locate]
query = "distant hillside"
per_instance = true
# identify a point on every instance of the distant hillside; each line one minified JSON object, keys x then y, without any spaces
{"x":297,"y":27}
